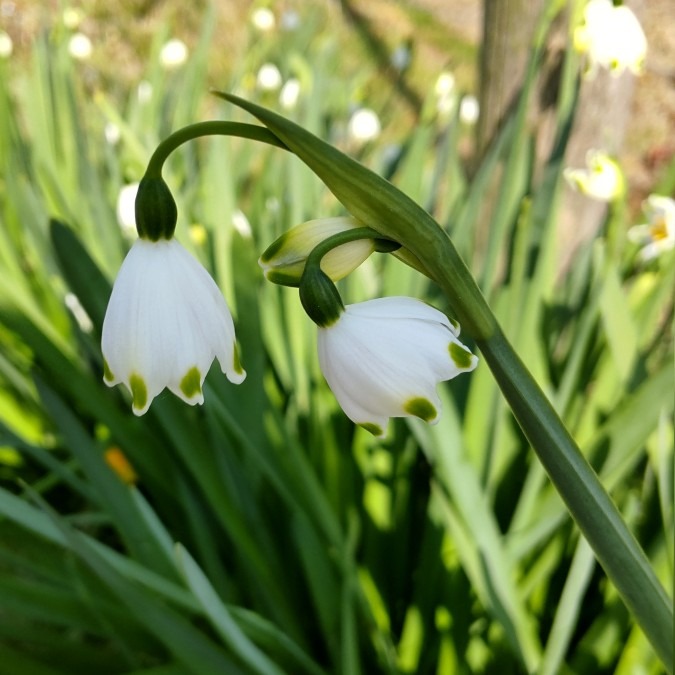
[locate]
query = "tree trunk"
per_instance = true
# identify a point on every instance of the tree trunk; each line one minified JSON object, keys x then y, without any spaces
{"x":508,"y":29}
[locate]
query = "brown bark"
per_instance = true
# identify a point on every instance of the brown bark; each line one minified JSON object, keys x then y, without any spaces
{"x":508,"y":29}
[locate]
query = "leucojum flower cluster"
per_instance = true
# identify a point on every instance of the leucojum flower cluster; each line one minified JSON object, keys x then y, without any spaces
{"x":167,"y":320}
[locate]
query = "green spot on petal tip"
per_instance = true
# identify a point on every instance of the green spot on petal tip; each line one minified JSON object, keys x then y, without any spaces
{"x":139,"y":392}
{"x":374,"y":429}
{"x":107,"y":373}
{"x":461,"y":357}
{"x":422,"y":408}
{"x":191,"y":384}
{"x":236,"y":362}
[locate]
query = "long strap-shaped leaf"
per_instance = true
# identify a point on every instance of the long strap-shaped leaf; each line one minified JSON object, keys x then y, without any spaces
{"x":380,"y":205}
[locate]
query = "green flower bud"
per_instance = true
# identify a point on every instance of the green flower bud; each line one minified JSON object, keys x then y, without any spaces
{"x":283,"y":262}
{"x":319,"y":297}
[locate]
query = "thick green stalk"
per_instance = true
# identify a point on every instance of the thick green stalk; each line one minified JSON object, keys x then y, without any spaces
{"x":588,"y":502}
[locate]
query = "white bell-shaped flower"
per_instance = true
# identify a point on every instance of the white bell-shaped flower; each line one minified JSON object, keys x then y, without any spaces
{"x":165,"y":323}
{"x":611,"y":36}
{"x":384,"y":358}
{"x":656,"y":236}
{"x":602,"y":178}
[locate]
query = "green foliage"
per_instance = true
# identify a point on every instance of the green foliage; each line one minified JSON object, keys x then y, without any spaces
{"x":264,"y":533}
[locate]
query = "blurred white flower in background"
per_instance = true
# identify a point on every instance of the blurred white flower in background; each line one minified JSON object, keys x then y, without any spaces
{"x":658,"y":234}
{"x":444,"y":89}
{"x":72,"y":18}
{"x":469,"y":109}
{"x":112,"y":133}
{"x":611,"y":37}
{"x":401,"y":57}
{"x":80,"y":47}
{"x":290,"y":20}
{"x":144,"y":91}
{"x":6,"y":45}
{"x":241,"y":224}
{"x":601,"y":179}
{"x":173,"y":54}
{"x":269,"y":77}
{"x":126,"y":209}
{"x":364,"y":125}
{"x":198,"y":234}
{"x":263,"y":19}
{"x":79,"y":313}
{"x":289,"y":94}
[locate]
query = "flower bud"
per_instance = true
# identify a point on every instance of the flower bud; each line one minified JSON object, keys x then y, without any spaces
{"x":320,"y":298}
{"x":283,"y":262}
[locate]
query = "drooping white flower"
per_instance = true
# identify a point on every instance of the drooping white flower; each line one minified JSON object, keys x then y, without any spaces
{"x":173,"y":54}
{"x":364,"y":125}
{"x":165,"y":323}
{"x":384,"y":358}
{"x":657,"y":235}
{"x":601,"y":179}
{"x":611,"y":37}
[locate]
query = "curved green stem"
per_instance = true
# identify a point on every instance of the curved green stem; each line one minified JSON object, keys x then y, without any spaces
{"x":588,"y":502}
{"x":211,"y":128}
{"x":335,"y":240}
